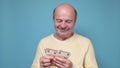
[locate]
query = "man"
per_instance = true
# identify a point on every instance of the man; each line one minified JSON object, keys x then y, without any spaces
{"x":64,"y":48}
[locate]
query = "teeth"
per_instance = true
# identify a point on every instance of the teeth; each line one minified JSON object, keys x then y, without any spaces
{"x":63,"y":29}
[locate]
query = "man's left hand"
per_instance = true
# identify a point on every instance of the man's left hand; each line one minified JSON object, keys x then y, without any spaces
{"x":62,"y":62}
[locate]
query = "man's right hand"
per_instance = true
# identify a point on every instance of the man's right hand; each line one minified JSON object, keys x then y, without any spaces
{"x":45,"y":61}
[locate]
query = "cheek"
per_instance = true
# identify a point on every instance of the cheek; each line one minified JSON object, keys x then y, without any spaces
{"x":71,"y":26}
{"x":56,"y":25}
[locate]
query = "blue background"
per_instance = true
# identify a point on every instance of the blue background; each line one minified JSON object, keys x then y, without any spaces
{"x":24,"y":22}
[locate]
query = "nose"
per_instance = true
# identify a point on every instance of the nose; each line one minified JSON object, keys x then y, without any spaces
{"x":63,"y":25}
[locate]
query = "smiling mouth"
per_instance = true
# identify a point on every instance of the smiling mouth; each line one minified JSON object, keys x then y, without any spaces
{"x":63,"y":30}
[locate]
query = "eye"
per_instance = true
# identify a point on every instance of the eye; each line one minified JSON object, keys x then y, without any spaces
{"x":59,"y":20}
{"x":68,"y":21}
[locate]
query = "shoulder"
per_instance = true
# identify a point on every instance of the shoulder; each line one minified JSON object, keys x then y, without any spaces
{"x":84,"y":41}
{"x":81,"y":37}
{"x":45,"y":39}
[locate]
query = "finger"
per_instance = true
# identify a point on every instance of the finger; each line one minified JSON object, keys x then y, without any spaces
{"x":58,"y":64}
{"x":62,"y":60}
{"x":46,"y":59}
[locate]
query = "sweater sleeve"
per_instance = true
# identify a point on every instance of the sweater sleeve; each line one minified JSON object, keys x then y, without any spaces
{"x":36,"y":63}
{"x":90,"y":60}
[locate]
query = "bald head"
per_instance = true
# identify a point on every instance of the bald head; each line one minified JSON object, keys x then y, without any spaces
{"x":65,"y":8}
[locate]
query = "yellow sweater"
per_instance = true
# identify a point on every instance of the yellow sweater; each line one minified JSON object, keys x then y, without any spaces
{"x":80,"y":48}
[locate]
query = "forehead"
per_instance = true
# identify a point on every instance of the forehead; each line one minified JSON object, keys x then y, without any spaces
{"x":64,"y":16}
{"x":64,"y":13}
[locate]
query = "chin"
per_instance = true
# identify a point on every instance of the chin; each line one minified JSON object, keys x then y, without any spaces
{"x":63,"y":34}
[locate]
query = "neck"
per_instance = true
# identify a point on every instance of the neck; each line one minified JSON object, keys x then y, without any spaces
{"x":62,"y":37}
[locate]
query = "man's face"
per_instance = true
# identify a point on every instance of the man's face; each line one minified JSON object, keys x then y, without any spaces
{"x":64,"y":22}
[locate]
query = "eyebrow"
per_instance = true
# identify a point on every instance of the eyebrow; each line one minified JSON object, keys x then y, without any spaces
{"x":68,"y":20}
{"x":62,"y":19}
